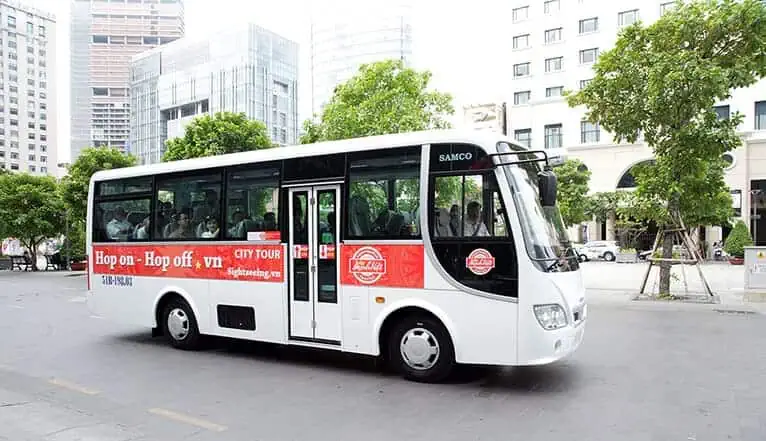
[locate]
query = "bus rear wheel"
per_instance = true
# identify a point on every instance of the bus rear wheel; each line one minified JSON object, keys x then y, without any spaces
{"x":180,"y":325}
{"x":420,"y":349}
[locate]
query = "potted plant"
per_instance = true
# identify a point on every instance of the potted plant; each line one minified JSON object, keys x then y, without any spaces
{"x":738,"y":239}
{"x":627,"y":255}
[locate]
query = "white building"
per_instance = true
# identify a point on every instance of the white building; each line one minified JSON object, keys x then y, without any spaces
{"x":554,"y":45}
{"x":244,"y":69}
{"x":343,"y":37}
{"x":489,"y":116}
{"x":28,"y":108}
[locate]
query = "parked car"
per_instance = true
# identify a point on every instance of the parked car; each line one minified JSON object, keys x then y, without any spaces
{"x":580,"y":251}
{"x":600,"y":249}
{"x":678,"y":250}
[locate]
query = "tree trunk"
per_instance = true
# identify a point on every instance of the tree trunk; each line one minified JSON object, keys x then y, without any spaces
{"x":666,"y":267}
{"x":33,"y":254}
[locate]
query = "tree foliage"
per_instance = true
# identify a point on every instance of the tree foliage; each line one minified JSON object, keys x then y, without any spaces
{"x":383,"y":97}
{"x":30,"y":209}
{"x":74,"y":188}
{"x":573,"y":178}
{"x":219,"y":134}
{"x":738,"y":239}
{"x":662,"y":81}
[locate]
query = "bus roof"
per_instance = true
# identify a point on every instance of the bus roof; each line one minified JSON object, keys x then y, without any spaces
{"x":303,"y":150}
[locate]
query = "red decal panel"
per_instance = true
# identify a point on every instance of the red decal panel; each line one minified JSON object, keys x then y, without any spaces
{"x":263,"y":263}
{"x":394,"y":266}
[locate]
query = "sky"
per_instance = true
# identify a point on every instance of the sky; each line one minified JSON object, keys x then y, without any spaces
{"x":461,"y":43}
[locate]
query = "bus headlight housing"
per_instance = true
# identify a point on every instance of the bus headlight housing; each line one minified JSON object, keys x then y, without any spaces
{"x":550,"y":317}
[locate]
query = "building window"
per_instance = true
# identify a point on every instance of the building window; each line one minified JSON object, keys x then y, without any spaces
{"x":627,"y":18}
{"x":30,"y":28}
{"x":722,"y":111}
{"x":553,"y":92}
{"x":584,"y":83}
{"x":588,"y":56}
{"x":103,"y":39}
{"x":552,"y":6}
{"x":554,"y":64}
{"x":11,"y":21}
{"x":589,"y":25}
{"x":521,"y":41}
{"x":100,"y":91}
{"x":32,"y":168}
{"x":41,"y":31}
{"x":520,"y":98}
{"x":31,"y":157}
{"x":553,"y":136}
{"x":520,"y":14}
{"x":589,"y":132}
{"x":666,"y":7}
{"x":521,"y":70}
{"x":760,"y":115}
{"x":524,"y":137}
{"x":553,"y":35}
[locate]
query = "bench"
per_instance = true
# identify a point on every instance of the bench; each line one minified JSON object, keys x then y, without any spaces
{"x":23,"y":263}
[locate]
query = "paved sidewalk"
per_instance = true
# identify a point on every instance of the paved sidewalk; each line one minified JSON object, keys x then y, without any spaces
{"x":609,"y":282}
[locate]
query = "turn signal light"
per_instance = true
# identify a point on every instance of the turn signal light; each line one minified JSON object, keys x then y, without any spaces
{"x":380,"y":299}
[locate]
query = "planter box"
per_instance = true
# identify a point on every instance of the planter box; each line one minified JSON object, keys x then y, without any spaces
{"x":627,"y":258}
{"x":736,"y":260}
{"x":78,"y":266}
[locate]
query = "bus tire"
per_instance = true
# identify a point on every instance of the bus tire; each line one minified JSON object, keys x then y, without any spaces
{"x":420,"y":349}
{"x":180,"y":326}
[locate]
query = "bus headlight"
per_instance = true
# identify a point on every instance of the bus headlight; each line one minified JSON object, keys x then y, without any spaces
{"x":551,"y":317}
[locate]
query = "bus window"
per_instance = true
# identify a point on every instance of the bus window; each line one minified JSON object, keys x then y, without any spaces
{"x":252,"y":202}
{"x":384,"y":190}
{"x":468,"y":223}
{"x":122,"y":210}
{"x":188,"y":208}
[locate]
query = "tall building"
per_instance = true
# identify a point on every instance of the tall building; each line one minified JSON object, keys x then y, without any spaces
{"x":554,"y":46}
{"x":27,"y":89}
{"x":104,"y":37}
{"x":358,"y":33}
{"x":244,"y":69}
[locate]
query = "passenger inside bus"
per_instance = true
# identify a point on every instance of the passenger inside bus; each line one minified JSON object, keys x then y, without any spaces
{"x":119,"y":228}
{"x":211,"y":231}
{"x":473,"y":225}
{"x":183,"y":228}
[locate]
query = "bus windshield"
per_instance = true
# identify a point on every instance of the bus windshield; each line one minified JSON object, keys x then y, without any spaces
{"x":545,"y":235}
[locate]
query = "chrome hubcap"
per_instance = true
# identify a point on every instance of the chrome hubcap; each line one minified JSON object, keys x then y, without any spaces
{"x":178,"y":324}
{"x":419,"y":349}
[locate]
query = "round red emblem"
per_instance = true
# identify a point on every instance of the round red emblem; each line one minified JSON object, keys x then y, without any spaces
{"x":480,"y":262}
{"x":367,"y":265}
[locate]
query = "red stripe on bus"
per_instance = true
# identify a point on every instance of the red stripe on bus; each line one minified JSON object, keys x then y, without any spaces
{"x":393,"y":266}
{"x":258,"y":262}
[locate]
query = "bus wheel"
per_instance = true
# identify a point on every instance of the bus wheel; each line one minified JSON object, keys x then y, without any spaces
{"x":180,"y":325}
{"x":421,"y":349}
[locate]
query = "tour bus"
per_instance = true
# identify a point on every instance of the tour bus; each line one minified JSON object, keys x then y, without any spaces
{"x":426,"y":249}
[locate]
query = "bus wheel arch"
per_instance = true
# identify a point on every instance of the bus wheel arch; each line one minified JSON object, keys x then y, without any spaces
{"x":184,"y":314}
{"x":410,"y":323}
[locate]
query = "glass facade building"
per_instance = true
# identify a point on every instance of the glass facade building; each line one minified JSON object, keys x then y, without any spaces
{"x":248,"y":69}
{"x":360,"y":33}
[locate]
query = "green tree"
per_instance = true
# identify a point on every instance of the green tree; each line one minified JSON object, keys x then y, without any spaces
{"x":30,"y":210}
{"x":74,"y":187}
{"x":573,"y":178}
{"x":662,"y":81}
{"x":219,"y":134}
{"x":383,"y":97}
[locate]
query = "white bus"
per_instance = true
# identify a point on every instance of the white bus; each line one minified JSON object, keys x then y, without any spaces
{"x":427,"y":249}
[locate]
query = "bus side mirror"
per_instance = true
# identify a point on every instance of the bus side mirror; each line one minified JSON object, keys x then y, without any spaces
{"x":547,"y":183}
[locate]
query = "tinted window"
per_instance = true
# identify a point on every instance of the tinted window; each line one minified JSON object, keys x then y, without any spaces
{"x":125,"y":186}
{"x":122,"y":221}
{"x":188,"y":208}
{"x":315,"y":167}
{"x":252,"y":201}
{"x":383,"y":194}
